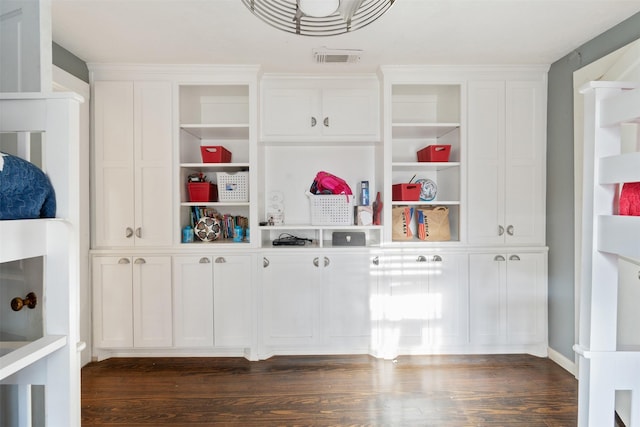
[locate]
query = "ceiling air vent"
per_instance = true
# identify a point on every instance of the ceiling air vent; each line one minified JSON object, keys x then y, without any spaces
{"x":337,"y":56}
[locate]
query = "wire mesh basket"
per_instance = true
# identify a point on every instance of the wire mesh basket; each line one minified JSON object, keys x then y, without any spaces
{"x":233,"y":187}
{"x":331,"y":209}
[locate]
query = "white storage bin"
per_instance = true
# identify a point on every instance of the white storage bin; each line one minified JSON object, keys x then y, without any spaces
{"x":330,"y":209}
{"x":233,"y":187}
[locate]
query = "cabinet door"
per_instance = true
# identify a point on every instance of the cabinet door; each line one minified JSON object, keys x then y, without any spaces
{"x":291,"y":112}
{"x":350,"y":113}
{"x":408,"y":303}
{"x":193,"y":301}
{"x":324,"y":113}
{"x":290,"y":301}
{"x":114,"y":163}
{"x":526,"y":298}
{"x":506,"y":166}
{"x":133,"y":146}
{"x":112,"y":302}
{"x":487,"y":298}
{"x":428,"y":302}
{"x":524,"y":163}
{"x":232,"y":300}
{"x":153,"y":147}
{"x":448,"y":299}
{"x":508,"y":298}
{"x":347,"y":289}
{"x":486,"y":142}
{"x":152,"y":318}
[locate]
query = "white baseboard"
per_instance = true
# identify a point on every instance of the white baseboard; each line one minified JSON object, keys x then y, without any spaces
{"x":564,"y":362}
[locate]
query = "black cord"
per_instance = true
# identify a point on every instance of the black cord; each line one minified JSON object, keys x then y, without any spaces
{"x":288,"y":237}
{"x":292,"y":237}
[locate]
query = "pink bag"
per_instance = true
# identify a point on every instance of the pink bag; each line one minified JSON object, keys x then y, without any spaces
{"x":326,"y":183}
{"x":630,"y":199}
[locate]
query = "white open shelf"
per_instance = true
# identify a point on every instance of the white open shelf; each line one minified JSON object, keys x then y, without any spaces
{"x":29,"y":353}
{"x":619,"y":235}
{"x":620,"y":168}
{"x":622,"y":108}
{"x":407,"y":130}
{"x":218,"y":131}
{"x":30,"y":230}
{"x":429,"y":166}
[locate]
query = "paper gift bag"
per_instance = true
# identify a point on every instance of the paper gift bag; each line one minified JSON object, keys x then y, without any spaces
{"x":401,"y":227}
{"x":433,"y":224}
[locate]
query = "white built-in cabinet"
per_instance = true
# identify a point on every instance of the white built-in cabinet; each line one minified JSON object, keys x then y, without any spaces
{"x":318,"y":301}
{"x":212,"y":301}
{"x":132,"y":146}
{"x":506,"y":167}
{"x":193,"y":301}
{"x":426,"y":302}
{"x":132,"y":301}
{"x":484,"y":290}
{"x":508,"y":300}
{"x":313,"y":109}
{"x":233,"y":308}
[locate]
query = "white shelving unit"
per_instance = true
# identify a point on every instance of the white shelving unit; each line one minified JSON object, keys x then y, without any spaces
{"x":311,"y":124}
{"x":603,"y":368}
{"x":214,"y":115}
{"x":53,"y":360}
{"x":423,"y":114}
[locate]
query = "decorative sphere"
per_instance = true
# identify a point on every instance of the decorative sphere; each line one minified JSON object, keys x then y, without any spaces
{"x":207,"y":229}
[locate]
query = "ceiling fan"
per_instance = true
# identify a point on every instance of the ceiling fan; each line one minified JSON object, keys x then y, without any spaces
{"x":318,"y":17}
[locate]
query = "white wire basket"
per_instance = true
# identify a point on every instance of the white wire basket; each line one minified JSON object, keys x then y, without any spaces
{"x":233,"y":187}
{"x":331,"y":209}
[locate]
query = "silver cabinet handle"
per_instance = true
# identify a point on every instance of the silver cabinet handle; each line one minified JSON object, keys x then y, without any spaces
{"x":500,"y":230}
{"x":314,"y":122}
{"x":204,"y":260}
{"x":437,"y":258}
{"x":138,"y":232}
{"x":124,"y":261}
{"x":514,"y":258}
{"x":316,"y":262}
{"x":510,"y":230}
{"x":128,"y":232}
{"x":265,"y":262}
{"x":499,"y":258}
{"x":140,"y":261}
{"x":220,"y":260}
{"x":421,"y":258}
{"x":326,"y":262}
{"x":376,"y":261}
{"x":638,"y":274}
{"x":326,"y":122}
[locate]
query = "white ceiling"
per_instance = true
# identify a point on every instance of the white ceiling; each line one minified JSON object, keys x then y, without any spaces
{"x":411,"y":32}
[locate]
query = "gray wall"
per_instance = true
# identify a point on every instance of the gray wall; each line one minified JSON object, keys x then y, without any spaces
{"x":69,"y":62}
{"x":560,"y":192}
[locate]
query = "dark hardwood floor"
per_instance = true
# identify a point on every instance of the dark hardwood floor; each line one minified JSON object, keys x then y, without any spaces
{"x":500,"y":390}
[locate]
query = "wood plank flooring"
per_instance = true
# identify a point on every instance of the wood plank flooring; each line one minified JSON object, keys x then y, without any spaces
{"x":450,"y":391}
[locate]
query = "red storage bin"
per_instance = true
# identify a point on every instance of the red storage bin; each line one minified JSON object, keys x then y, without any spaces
{"x":202,"y":192}
{"x":406,"y":192}
{"x":215,"y":154}
{"x":434,"y":153}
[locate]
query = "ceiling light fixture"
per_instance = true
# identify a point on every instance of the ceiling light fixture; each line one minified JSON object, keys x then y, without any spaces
{"x":318,"y":17}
